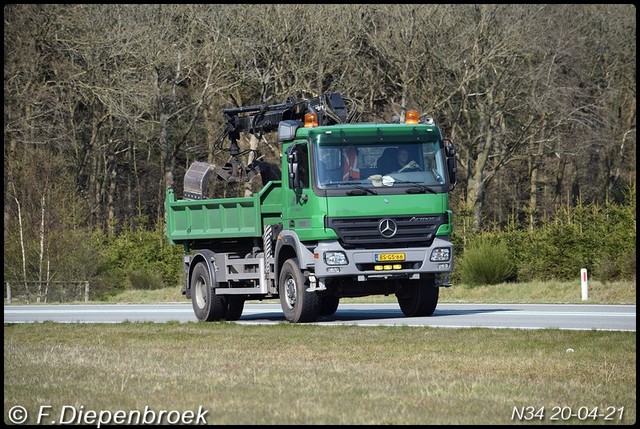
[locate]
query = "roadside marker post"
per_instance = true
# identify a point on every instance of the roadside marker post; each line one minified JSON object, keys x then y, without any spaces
{"x":584,"y":285}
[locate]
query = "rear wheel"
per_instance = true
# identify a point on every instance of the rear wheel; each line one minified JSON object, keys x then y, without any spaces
{"x":298,"y":305}
{"x":235,"y":306}
{"x":418,"y":298}
{"x":207,"y":306}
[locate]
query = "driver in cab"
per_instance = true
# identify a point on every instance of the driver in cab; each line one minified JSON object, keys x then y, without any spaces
{"x":403,"y":163}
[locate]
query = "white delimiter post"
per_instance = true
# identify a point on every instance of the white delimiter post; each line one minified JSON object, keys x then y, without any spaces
{"x":583,"y":277}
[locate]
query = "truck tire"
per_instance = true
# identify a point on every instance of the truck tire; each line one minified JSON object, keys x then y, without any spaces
{"x":417,"y":299}
{"x":235,"y":306}
{"x":207,"y":306}
{"x":298,"y":305}
{"x":329,"y":305}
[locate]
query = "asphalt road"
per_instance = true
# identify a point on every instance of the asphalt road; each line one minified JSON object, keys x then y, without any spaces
{"x":518,"y":316}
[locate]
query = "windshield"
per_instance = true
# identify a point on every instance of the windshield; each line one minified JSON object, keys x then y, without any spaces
{"x":380,"y":165}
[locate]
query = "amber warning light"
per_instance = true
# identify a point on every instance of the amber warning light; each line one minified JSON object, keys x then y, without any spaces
{"x":412,"y":117}
{"x":310,"y":120}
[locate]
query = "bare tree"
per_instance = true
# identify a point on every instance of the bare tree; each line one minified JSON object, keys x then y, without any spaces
{"x":540,"y":99}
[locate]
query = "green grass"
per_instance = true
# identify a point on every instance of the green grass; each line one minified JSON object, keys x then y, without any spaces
{"x":307,"y":374}
{"x":534,"y":292}
{"x":551,"y":292}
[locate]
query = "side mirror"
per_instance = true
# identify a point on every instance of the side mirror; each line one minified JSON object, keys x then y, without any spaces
{"x":452,"y":166}
{"x":292,"y":162}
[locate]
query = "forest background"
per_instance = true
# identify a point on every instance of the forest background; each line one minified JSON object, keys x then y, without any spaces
{"x":106,"y":106}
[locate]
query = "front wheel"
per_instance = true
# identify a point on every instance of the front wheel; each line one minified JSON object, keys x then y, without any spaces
{"x":207,"y":306}
{"x":298,"y":305}
{"x":329,"y":305}
{"x":418,"y":299}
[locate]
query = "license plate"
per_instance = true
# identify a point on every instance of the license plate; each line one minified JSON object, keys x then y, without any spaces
{"x":385,"y":257}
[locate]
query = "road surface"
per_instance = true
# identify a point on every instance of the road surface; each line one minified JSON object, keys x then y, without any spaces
{"x":519,"y":316}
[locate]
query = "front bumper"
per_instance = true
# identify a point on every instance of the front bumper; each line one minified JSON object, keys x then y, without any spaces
{"x":364,"y":265}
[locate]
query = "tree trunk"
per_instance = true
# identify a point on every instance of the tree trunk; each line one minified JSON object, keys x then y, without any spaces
{"x":253,"y":145}
{"x":476,"y":182}
{"x":534,"y":169}
{"x":41,"y":256}
{"x":24,"y":259}
{"x":111,"y":214}
{"x":557,"y":197}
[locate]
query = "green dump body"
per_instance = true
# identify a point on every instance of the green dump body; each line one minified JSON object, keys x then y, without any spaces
{"x":222,"y":218}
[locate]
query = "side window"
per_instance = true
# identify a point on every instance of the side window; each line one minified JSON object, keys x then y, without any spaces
{"x":329,"y":165}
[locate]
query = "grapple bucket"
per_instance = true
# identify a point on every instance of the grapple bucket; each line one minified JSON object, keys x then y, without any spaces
{"x":196,"y":180}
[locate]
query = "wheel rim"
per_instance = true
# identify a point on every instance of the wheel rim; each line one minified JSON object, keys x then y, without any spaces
{"x":290,"y":291}
{"x":201,"y":297}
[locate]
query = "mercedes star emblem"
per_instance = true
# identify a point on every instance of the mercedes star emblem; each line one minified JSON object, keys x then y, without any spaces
{"x":387,"y":228}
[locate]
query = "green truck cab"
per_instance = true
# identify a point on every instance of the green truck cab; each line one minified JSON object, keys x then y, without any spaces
{"x":344,"y":218}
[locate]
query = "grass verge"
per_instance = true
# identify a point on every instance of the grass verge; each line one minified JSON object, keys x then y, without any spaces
{"x":292,"y":374}
{"x":515,"y":293}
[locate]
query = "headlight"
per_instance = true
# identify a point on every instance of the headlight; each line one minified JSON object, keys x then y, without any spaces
{"x":335,"y":258}
{"x":440,"y":254}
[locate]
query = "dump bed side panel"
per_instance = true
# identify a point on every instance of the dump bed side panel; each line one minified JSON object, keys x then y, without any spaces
{"x":224,"y":218}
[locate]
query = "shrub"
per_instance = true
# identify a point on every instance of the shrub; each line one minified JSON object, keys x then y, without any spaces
{"x":486,"y":261}
{"x":143,"y":279}
{"x":622,"y":267}
{"x":144,"y":258}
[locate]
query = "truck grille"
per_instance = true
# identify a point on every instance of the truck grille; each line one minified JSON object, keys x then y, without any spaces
{"x":386,"y":232}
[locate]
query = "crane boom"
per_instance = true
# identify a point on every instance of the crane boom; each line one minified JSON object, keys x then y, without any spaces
{"x":329,"y":108}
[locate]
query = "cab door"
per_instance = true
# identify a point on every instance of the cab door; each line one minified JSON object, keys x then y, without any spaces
{"x":304,"y":212}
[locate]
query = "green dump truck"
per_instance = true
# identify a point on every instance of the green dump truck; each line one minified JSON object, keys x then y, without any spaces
{"x":339,"y":217}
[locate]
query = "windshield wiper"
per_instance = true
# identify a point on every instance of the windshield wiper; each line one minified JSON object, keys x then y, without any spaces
{"x":417,"y":188}
{"x":420,"y":189}
{"x":361,"y":190}
{"x":437,"y":175}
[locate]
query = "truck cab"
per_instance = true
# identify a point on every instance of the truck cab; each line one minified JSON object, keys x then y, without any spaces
{"x":383,"y":230}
